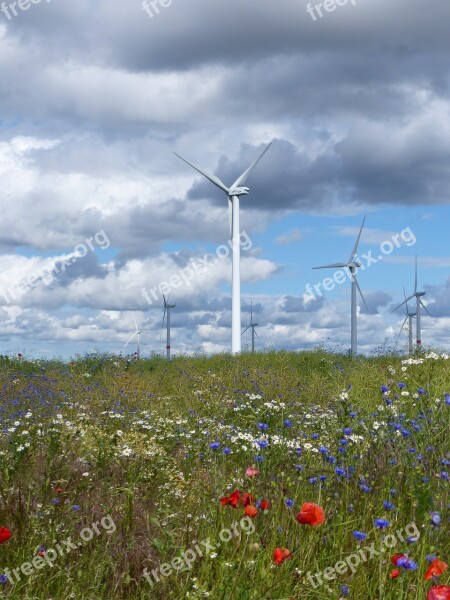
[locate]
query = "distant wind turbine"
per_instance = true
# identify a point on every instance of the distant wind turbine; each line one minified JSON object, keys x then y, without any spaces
{"x":353,"y":265}
{"x":419,"y":304}
{"x":409,"y":317}
{"x":167,"y":309}
{"x":233,"y":193}
{"x":252,"y":326}
{"x":138,"y":334}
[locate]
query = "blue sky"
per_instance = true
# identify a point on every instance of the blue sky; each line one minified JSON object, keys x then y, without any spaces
{"x":99,"y":98}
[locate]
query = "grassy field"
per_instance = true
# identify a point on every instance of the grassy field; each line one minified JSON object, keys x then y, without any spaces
{"x":269,"y":476}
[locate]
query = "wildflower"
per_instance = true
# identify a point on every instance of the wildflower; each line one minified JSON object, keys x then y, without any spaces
{"x":311,"y":514}
{"x":396,"y":558}
{"x":76,"y":507}
{"x":435,"y":518}
{"x":345,"y":591}
{"x":287,"y":423}
{"x":58,"y":490}
{"x":395,"y":573}
{"x":232,"y":499}
{"x":250,"y":511}
{"x":252,"y":472}
{"x":264,"y":505}
{"x":214,"y":446}
{"x":5,"y":534}
{"x":388,"y":505}
{"x":289,"y":503}
{"x":247,"y":499}
{"x":359,"y":535}
{"x":263,"y":426}
{"x":280,"y":555}
{"x":227,"y":451}
{"x":439,"y":592}
{"x":436,"y":568}
{"x":381,"y":523}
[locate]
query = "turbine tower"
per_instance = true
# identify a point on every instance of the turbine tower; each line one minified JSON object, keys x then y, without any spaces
{"x":353,"y":265}
{"x":409,"y":317}
{"x":419,"y":304}
{"x":252,"y":326}
{"x":233,"y":193}
{"x":167,"y":308}
{"x":138,"y":334}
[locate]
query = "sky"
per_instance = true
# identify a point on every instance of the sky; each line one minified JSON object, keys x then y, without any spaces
{"x":99,"y":217}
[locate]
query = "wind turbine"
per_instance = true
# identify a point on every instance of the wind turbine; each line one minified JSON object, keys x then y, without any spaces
{"x":167,"y":308}
{"x":419,"y":304}
{"x":138,"y":334}
{"x":353,"y":265}
{"x":233,"y":193}
{"x":409,"y":317}
{"x":252,"y":326}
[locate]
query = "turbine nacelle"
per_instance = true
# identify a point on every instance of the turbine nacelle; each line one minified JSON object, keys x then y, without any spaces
{"x":238,"y":191}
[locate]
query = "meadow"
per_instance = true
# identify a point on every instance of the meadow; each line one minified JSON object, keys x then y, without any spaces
{"x":279,"y":475}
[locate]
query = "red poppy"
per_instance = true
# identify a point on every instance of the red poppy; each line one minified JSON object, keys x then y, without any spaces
{"x":397,"y":557}
{"x":58,"y":490}
{"x":250,"y":511}
{"x":436,"y":568}
{"x":5,"y":534}
{"x":252,"y":472}
{"x":247,"y":499}
{"x":280,"y":555}
{"x":311,"y":514}
{"x":232,"y":499}
{"x":264,"y":505}
{"x":395,"y":573}
{"x":439,"y":592}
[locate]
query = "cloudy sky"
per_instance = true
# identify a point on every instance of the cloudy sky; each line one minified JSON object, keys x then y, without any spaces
{"x":96,"y":211}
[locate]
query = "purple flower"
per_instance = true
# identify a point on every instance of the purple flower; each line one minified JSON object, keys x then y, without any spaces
{"x":214,"y":446}
{"x":76,"y":507}
{"x":348,"y":431}
{"x":227,"y":451}
{"x":287,"y":423}
{"x":262,"y":443}
{"x":388,"y":505}
{"x":3,"y":578}
{"x":263,"y":426}
{"x":435,"y":518}
{"x":289,"y":503}
{"x":345,"y":590}
{"x":381,"y":523}
{"x":384,"y":388}
{"x":359,"y":535}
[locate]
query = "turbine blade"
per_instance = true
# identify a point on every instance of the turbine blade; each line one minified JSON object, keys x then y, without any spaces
{"x":134,"y":335}
{"x":243,"y":178}
{"x":256,"y":334}
{"x":361,"y":294}
{"x":355,"y":247}
{"x":415,"y":280}
{"x":245,"y":330}
{"x":425,"y":308}
{"x":165,"y":301}
{"x":334,"y":266}
{"x":230,"y":216}
{"x":251,"y":311}
{"x":135,"y":323}
{"x":404,"y":302}
{"x":212,"y":178}
{"x":404,"y":323}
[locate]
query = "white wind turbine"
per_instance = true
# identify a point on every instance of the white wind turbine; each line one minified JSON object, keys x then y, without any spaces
{"x":233,"y":193}
{"x":409,"y":317}
{"x":252,"y":326}
{"x":137,"y":333}
{"x":353,"y":265}
{"x":419,"y":304}
{"x":167,"y":308}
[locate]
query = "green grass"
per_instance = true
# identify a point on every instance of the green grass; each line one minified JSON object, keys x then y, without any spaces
{"x":129,"y":443}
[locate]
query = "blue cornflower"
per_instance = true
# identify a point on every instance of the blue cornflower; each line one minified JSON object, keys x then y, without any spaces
{"x":262,"y":443}
{"x":76,"y":507}
{"x":330,"y":459}
{"x":381,"y":523}
{"x":287,"y":423}
{"x":406,"y":563}
{"x":405,"y":433}
{"x":55,"y":501}
{"x":421,"y":391}
{"x":359,"y":535}
{"x":411,"y":539}
{"x":323,"y":478}
{"x":352,"y":414}
{"x":444,"y":475}
{"x":430,"y":557}
{"x":447,"y":399}
{"x":3,"y":578}
{"x":365,"y":488}
{"x":299,"y":467}
{"x":388,"y":505}
{"x":298,"y":451}
{"x":289,"y":503}
{"x":323,"y":449}
{"x":259,"y":458}
{"x":339,"y":471}
{"x":345,"y":590}
{"x":384,"y":388}
{"x":401,"y":385}
{"x":393,"y":492}
{"x":313,"y":480}
{"x":348,"y":431}
{"x":214,"y":445}
{"x":227,"y":451}
{"x":435,"y":518}
{"x":263,"y":426}
{"x":315,"y":436}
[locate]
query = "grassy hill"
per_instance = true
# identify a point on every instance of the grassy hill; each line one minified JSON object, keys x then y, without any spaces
{"x":110,"y":470}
